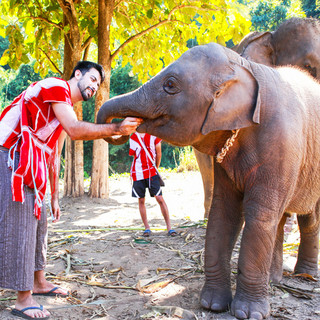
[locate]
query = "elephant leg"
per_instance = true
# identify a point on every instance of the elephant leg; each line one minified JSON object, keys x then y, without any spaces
{"x":257,"y":244}
{"x":205,"y":163}
{"x":307,"y":261}
{"x":223,"y":228}
{"x":276,"y":269}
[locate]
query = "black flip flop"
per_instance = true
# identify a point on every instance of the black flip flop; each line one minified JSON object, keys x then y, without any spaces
{"x":21,"y":314}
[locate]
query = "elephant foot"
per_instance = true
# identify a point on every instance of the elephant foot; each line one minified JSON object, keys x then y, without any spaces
{"x":248,"y":309}
{"x":276,"y":269}
{"x":305,"y":267}
{"x":276,"y":275}
{"x":215,"y":299}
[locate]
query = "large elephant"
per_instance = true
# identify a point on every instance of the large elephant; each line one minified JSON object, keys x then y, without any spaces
{"x":295,"y":42}
{"x":270,"y":164}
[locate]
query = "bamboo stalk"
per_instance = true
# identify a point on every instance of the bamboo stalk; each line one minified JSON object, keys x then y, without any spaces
{"x":9,"y":298}
{"x":94,"y":284}
{"x":107,"y":229}
{"x":123,"y":229}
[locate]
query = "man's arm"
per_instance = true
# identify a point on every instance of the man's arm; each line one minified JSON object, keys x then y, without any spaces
{"x":54,"y":170}
{"x":81,"y":130}
{"x":158,"y":154}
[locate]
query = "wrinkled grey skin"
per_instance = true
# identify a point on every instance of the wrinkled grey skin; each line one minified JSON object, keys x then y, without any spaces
{"x":272,"y":167}
{"x":295,"y":42}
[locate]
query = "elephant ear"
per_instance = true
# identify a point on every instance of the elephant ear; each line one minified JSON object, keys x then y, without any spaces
{"x":236,"y":103}
{"x":258,"y":48}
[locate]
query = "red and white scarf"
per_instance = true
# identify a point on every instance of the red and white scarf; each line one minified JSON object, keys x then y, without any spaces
{"x":29,"y":126}
{"x":142,"y":167}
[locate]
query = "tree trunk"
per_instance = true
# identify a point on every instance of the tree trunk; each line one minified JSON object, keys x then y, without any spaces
{"x":73,"y":172}
{"x":99,"y":187}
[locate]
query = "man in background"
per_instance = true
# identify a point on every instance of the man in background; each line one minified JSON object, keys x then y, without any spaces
{"x":146,"y":150}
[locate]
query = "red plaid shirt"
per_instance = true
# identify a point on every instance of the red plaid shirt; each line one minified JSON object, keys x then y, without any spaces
{"x":30,"y":127}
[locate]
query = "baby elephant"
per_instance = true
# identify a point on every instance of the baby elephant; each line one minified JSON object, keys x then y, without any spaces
{"x":263,"y":124}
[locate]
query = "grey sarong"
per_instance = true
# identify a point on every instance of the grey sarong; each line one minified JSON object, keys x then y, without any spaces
{"x":23,"y":238}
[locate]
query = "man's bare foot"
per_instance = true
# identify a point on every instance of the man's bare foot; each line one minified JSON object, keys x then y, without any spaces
{"x":49,"y":289}
{"x":26,"y":300}
{"x":42,"y":286}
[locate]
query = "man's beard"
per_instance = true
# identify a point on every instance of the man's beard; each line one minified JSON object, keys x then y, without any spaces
{"x":84,"y":95}
{"x":83,"y":91}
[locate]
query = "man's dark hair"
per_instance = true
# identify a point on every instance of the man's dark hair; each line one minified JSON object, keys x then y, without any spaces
{"x":85,"y":66}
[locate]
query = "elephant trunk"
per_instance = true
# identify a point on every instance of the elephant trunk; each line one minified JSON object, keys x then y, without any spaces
{"x":126,"y":105}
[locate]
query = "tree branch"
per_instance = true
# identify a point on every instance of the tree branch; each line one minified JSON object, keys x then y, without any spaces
{"x":142,"y":33}
{"x":136,"y":4}
{"x":191,"y":7}
{"x":86,"y":50}
{"x":57,"y":25}
{"x":39,"y":17}
{"x":72,"y":9}
{"x":54,"y":65}
{"x":71,"y":15}
{"x":87,"y":43}
{"x":66,"y":10}
{"x":160,"y":23}
{"x":117,"y":4}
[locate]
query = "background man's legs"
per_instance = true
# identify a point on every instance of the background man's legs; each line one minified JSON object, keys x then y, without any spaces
{"x":164,"y":211}
{"x":143,"y":213}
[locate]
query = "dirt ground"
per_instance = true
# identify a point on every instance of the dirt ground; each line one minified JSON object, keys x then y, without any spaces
{"x":96,"y":251}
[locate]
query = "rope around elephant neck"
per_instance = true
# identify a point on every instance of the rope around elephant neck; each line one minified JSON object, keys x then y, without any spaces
{"x":227,"y":146}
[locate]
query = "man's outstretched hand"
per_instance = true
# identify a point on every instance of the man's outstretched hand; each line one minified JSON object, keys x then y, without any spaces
{"x":129,"y":125}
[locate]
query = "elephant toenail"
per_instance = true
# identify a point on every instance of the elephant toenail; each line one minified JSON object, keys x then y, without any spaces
{"x":239,"y":314}
{"x":256,"y":316}
{"x":205,"y":304}
{"x":216,"y":307}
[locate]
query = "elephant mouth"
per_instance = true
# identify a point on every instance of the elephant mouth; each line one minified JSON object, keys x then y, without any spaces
{"x":150,"y":124}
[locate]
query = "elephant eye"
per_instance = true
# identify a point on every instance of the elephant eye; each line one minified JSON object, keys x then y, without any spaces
{"x":171,"y":86}
{"x":217,"y":94}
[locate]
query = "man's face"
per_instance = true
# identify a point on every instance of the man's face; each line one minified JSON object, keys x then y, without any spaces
{"x":89,"y":83}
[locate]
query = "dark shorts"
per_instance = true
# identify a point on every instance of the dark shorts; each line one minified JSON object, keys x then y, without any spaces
{"x":153,"y":184}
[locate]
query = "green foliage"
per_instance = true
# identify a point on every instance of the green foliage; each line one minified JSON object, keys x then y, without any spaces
{"x":5,"y":77}
{"x":172,"y":156}
{"x":187,"y":160}
{"x":6,"y":74}
{"x":22,"y":79}
{"x":146,"y":34}
{"x":311,"y":8}
{"x":123,"y":80}
{"x":169,"y":158}
{"x":36,"y":30}
{"x":88,"y":115}
{"x":119,"y":158}
{"x":170,"y":24}
{"x":4,"y":45}
{"x":268,"y":15}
